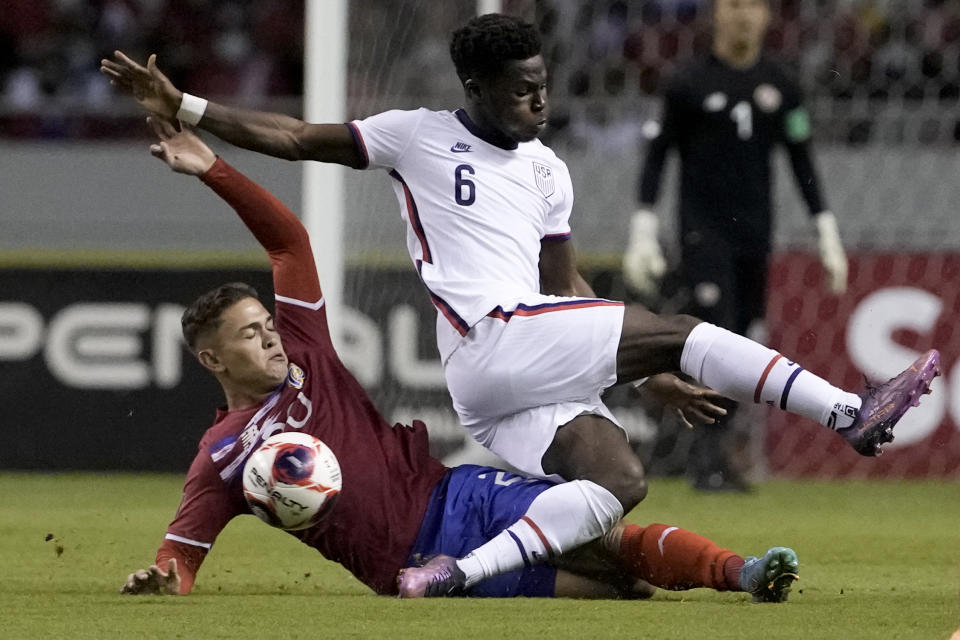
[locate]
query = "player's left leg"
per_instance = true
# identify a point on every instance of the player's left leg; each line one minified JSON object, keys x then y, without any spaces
{"x":746,"y":371}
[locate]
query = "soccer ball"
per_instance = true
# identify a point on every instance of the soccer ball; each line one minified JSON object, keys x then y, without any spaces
{"x":292,"y":481}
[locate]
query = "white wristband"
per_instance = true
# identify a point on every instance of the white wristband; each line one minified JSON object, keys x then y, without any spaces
{"x":191,"y":109}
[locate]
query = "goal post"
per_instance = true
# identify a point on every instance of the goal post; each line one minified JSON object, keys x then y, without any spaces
{"x":324,"y":100}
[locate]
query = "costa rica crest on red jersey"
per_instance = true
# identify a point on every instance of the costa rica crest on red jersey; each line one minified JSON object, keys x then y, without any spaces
{"x":295,"y":376}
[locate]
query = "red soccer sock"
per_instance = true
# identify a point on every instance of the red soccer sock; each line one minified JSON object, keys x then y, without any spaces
{"x":677,"y":559}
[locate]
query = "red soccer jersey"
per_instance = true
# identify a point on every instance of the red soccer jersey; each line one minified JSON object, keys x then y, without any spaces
{"x":388,"y":474}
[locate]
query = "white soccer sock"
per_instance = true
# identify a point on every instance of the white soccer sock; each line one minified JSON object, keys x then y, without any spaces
{"x":561,"y":518}
{"x":750,"y":372}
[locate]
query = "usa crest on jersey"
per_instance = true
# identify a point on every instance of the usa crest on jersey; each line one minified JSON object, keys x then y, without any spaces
{"x":543,"y":175}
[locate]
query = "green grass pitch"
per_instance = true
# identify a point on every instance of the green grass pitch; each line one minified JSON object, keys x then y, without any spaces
{"x":877,"y":560}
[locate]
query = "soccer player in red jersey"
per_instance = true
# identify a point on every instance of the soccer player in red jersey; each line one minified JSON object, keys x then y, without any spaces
{"x":398,"y":506}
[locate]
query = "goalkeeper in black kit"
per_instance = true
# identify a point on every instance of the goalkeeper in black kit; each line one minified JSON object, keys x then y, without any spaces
{"x":725,"y":114}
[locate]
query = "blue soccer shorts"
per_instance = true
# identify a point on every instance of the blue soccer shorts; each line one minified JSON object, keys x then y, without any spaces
{"x":470,"y":506}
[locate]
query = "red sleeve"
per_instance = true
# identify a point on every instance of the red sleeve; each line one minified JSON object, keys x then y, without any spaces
{"x":204,"y":511}
{"x":275,"y":227}
{"x":188,"y":561}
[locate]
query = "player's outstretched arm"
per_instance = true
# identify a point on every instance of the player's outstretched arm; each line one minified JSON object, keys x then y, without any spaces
{"x":182,"y":150}
{"x":153,"y":581}
{"x":272,"y":134}
{"x":149,"y":87}
{"x":275,"y":227}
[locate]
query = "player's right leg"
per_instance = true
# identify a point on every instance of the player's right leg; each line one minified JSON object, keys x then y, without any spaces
{"x":744,"y":370}
{"x":675,"y":559}
{"x":592,"y":448}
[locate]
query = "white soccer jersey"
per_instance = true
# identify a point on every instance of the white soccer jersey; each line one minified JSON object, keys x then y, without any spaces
{"x":476,"y":213}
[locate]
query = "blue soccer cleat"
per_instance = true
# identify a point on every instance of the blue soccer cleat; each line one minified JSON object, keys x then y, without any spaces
{"x":884,"y":405}
{"x":769,"y":577}
{"x":438,"y":578}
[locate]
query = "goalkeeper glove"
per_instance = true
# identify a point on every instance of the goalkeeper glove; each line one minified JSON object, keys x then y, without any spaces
{"x":832,"y":256}
{"x":643,"y":262}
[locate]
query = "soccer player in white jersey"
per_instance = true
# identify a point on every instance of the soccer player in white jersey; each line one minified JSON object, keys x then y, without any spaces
{"x":526,"y":347}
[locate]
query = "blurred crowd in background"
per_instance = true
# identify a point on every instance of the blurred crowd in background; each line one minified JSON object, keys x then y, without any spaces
{"x":50,"y":52}
{"x":867,"y":66}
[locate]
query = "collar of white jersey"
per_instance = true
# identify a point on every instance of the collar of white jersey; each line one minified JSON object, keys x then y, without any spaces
{"x":475,"y":130}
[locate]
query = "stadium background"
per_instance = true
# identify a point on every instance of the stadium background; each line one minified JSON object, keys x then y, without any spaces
{"x":99,"y":244}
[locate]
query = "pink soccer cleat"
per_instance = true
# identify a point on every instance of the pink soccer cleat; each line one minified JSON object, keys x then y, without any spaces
{"x":884,"y":405}
{"x":438,"y":578}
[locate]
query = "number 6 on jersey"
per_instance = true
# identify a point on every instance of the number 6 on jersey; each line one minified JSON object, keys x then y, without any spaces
{"x":464,"y":189}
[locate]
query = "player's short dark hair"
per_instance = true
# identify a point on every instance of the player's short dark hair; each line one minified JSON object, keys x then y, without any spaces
{"x":485,"y":44}
{"x":204,"y":314}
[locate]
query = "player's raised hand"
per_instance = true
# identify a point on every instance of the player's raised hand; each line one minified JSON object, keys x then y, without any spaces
{"x":181,"y":149}
{"x":153,"y":580}
{"x":148,"y":85}
{"x":643,"y":261}
{"x":691,"y":403}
